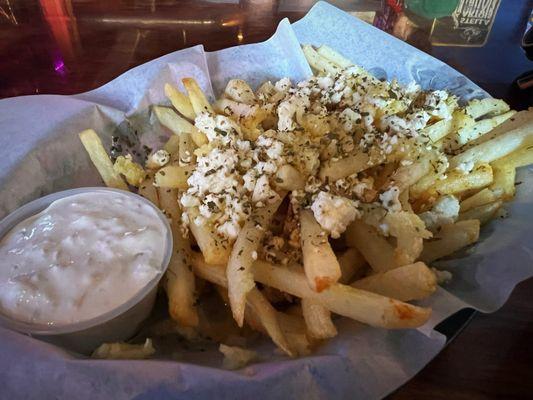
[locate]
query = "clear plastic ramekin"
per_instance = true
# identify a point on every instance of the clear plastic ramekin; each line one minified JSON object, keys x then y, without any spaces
{"x":118,"y":324}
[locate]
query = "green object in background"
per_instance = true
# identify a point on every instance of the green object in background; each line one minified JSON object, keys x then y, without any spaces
{"x":431,"y":9}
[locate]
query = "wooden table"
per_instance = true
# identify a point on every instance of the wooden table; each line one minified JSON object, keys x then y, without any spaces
{"x":65,"y":47}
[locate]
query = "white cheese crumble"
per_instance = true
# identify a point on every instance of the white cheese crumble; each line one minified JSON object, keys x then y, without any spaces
{"x":334,"y":213}
{"x":444,"y":211}
{"x":390,"y":199}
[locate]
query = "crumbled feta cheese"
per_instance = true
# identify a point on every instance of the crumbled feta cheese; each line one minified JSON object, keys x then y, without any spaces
{"x":390,"y":199}
{"x":334,"y":213}
{"x":444,"y":211}
{"x":217,"y":128}
{"x":283,"y":84}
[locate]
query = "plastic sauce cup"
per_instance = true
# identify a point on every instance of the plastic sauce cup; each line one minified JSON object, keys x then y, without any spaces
{"x":118,"y":324}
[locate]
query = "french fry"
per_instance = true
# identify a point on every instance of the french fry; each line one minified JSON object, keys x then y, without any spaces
{"x":258,"y":308}
{"x":409,"y":231}
{"x":319,"y":63}
{"x":438,"y":130}
{"x":517,"y":120}
{"x":329,"y":54}
{"x":469,"y":133}
{"x":268,"y":317}
{"x":482,"y":213}
{"x":477,"y":108}
{"x":295,"y":330}
{"x":363,"y":306}
{"x":180,"y":285}
{"x":158,"y":159}
{"x":245,"y":250}
{"x":352,"y":265}
{"x":458,"y":182}
{"x":451,"y":238}
{"x":196,"y":96}
{"x":496,"y":148}
{"x":180,"y":101}
{"x":172,"y":146}
{"x":481,"y":198}
{"x":289,"y":178}
{"x":148,"y":190}
{"x":503,"y":185}
{"x":102,"y":162}
{"x":374,"y":248}
{"x":320,"y":263}
{"x":517,"y":159}
{"x":177,"y":125}
{"x":407,"y":175}
{"x":173,"y":176}
{"x":186,"y":150}
{"x":335,"y":170}
{"x":132,"y":171}
{"x":409,"y":282}
{"x":240,"y":91}
{"x":215,"y":249}
{"x":318,"y":320}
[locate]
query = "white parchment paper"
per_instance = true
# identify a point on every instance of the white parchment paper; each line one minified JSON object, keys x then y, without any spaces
{"x":40,"y":153}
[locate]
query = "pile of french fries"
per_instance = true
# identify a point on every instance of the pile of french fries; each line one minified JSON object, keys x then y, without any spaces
{"x":415,"y":194}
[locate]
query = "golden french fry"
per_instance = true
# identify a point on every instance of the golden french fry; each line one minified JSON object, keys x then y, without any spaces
{"x":335,"y":170}
{"x":215,"y":249}
{"x":438,"y":130}
{"x":374,"y":248}
{"x":467,"y":134}
{"x":180,"y":285}
{"x":482,"y":213}
{"x":496,"y":148}
{"x":352,"y":265}
{"x":481,"y":198}
{"x":132,"y":171}
{"x":320,"y":263}
{"x":102,"y":162}
{"x":245,"y":250}
{"x":173,"y":176}
{"x":517,"y":159}
{"x":186,"y":150}
{"x":319,"y":63}
{"x":517,"y":120}
{"x":178,"y":125}
{"x":458,"y":182}
{"x":172,"y":147}
{"x":329,"y":54}
{"x":452,"y":237}
{"x":196,"y":96}
{"x":477,"y":108}
{"x":363,"y":306}
{"x":124,"y":351}
{"x":503,"y":185}
{"x":409,"y":282}
{"x":409,"y":231}
{"x":408,"y":175}
{"x":180,"y":101}
{"x":318,"y":320}
{"x":240,"y":91}
{"x":259,"y":312}
{"x":148,"y":190}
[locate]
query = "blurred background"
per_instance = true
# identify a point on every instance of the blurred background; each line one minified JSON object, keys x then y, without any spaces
{"x":69,"y":46}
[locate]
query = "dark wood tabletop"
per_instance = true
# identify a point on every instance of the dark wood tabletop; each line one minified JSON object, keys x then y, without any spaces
{"x":71,"y":46}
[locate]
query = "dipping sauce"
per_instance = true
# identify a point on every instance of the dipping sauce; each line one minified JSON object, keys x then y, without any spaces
{"x":81,"y":257}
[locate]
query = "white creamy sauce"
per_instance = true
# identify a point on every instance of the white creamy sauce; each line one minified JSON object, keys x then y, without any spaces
{"x":80,"y":258}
